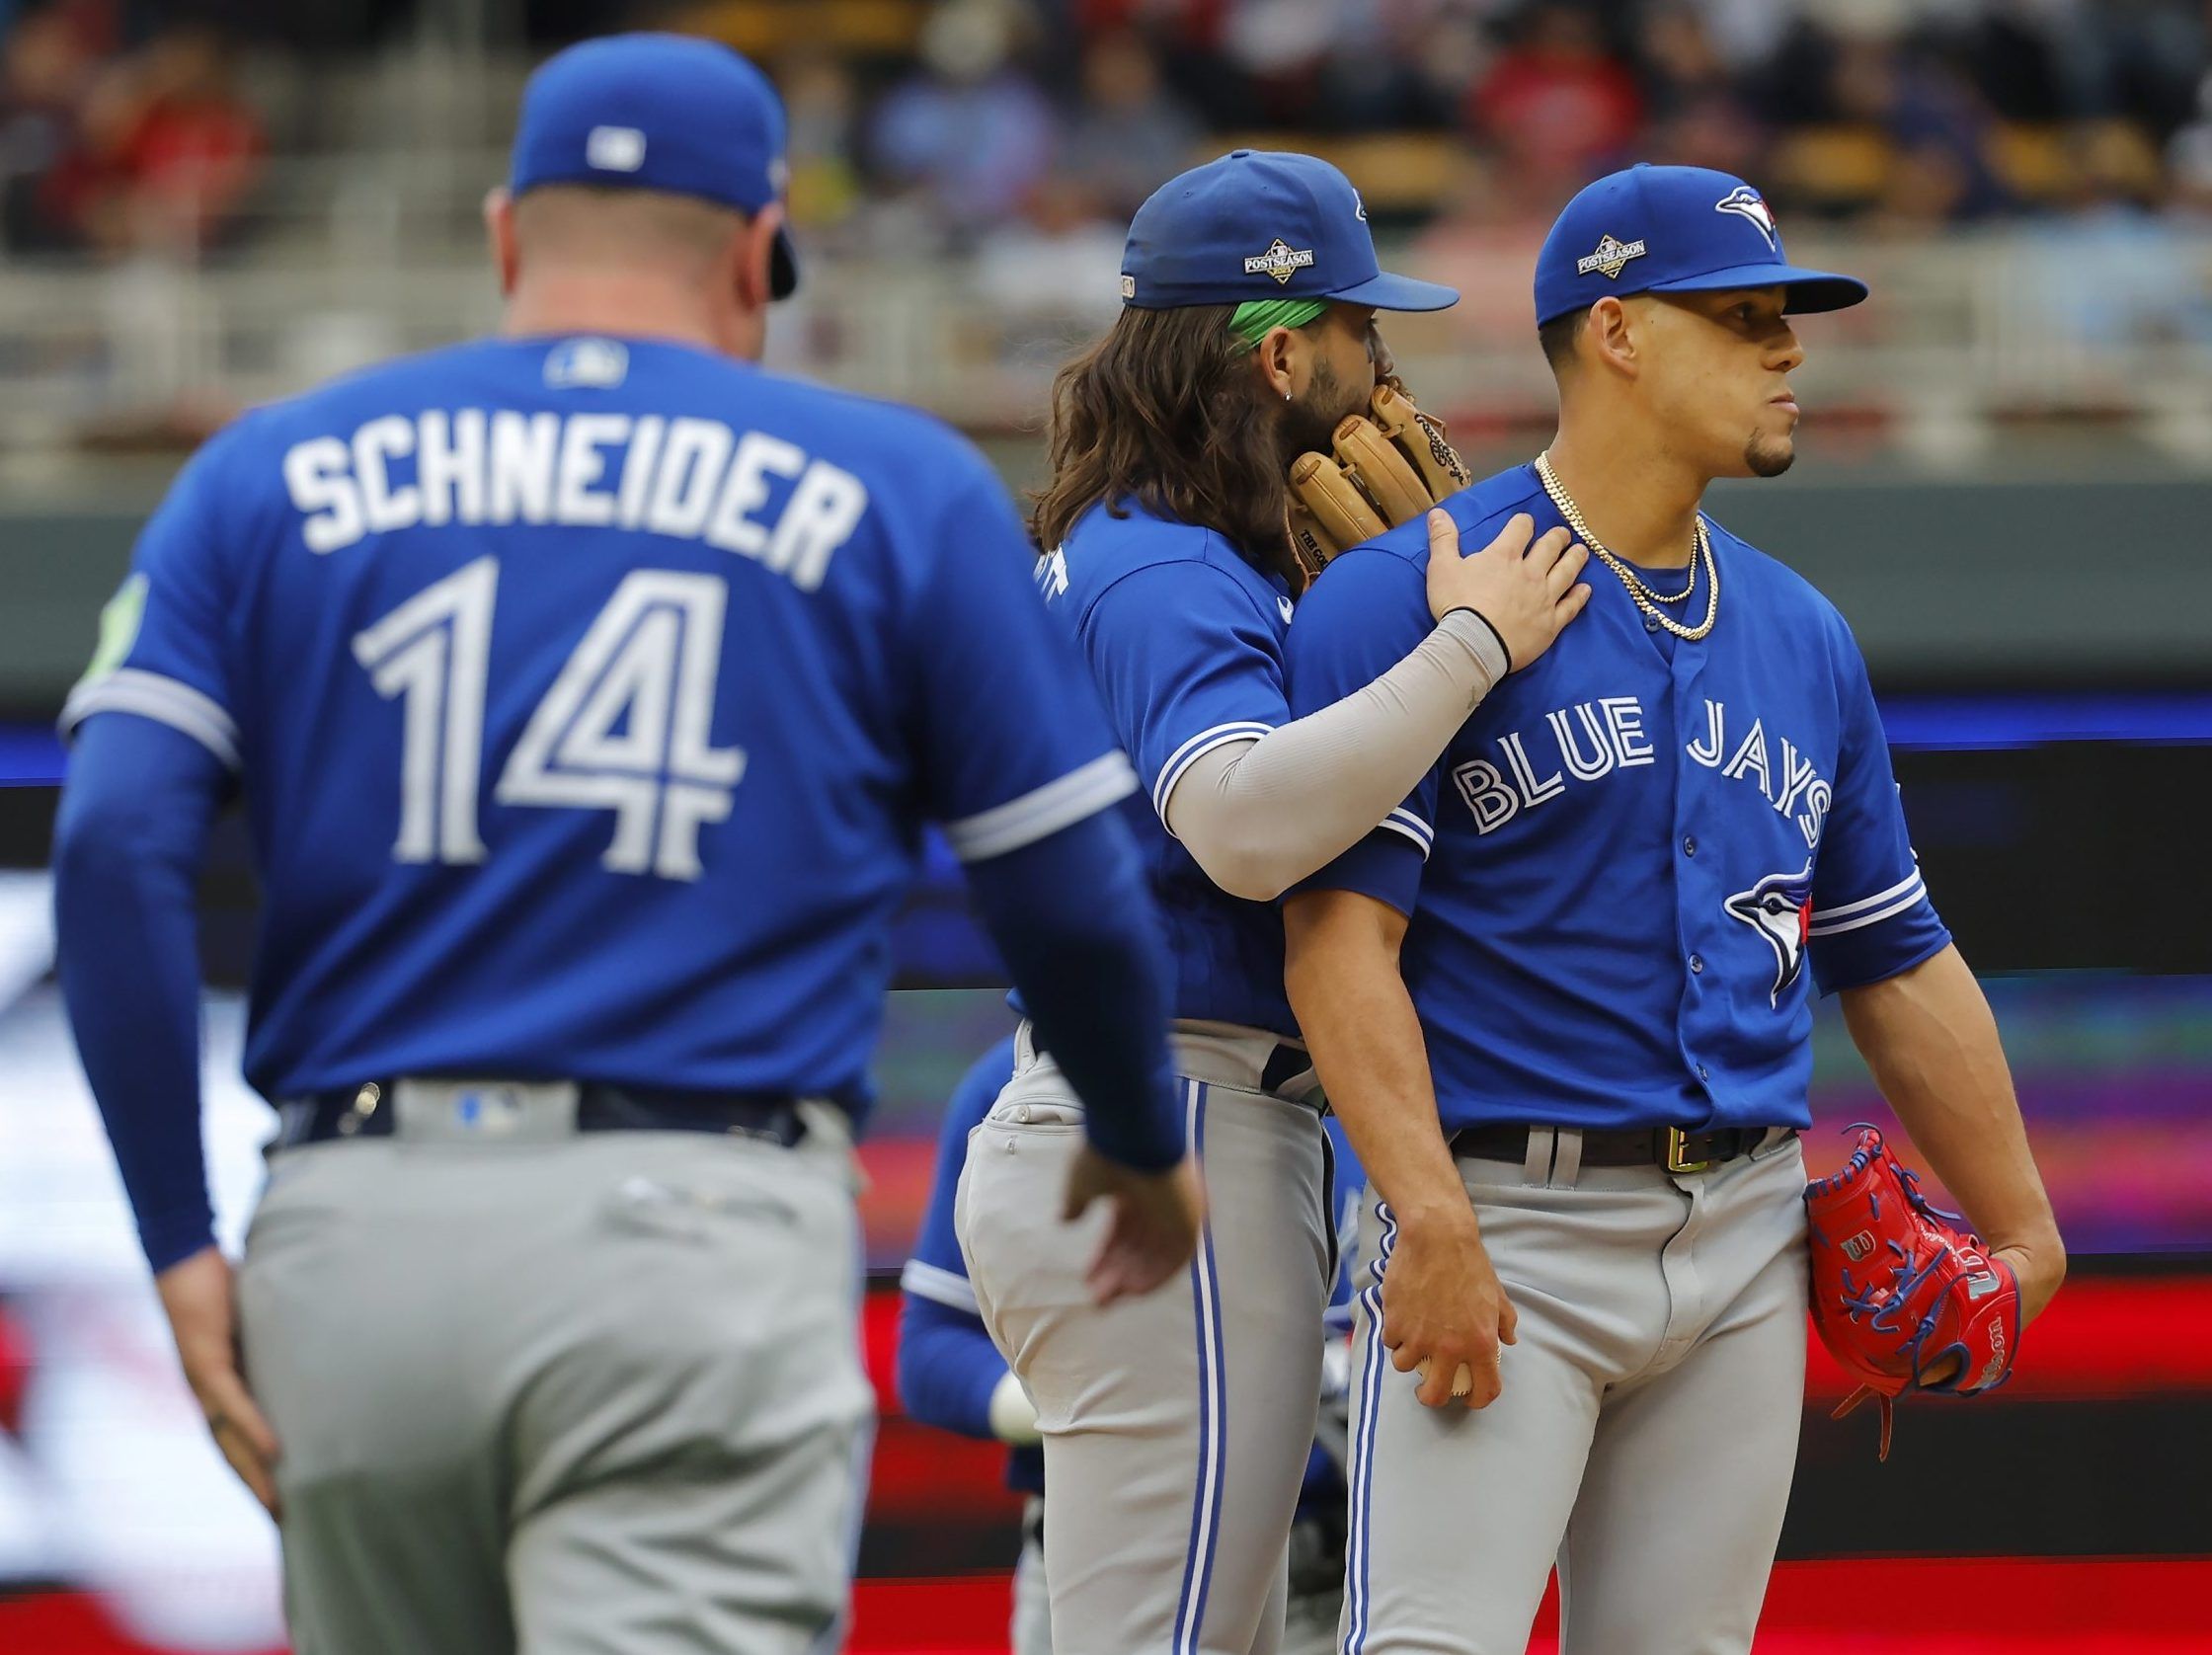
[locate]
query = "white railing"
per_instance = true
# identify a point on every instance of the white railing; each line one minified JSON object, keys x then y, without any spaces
{"x":1965,"y":333}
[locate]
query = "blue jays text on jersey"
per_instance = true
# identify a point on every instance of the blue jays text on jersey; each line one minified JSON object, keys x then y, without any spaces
{"x":590,"y":692}
{"x":1185,"y":639}
{"x":1639,"y":844}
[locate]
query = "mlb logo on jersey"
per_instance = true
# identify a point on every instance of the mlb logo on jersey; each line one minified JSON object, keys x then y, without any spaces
{"x":595,"y":363}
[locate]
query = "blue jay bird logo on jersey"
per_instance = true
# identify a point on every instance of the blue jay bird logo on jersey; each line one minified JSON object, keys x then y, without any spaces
{"x":1780,"y":908}
{"x":1747,"y":203}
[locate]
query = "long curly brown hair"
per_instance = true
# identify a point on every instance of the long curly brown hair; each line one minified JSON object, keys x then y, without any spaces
{"x":1167,"y":411}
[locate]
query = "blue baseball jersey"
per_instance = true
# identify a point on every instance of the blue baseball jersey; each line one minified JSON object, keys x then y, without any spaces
{"x":938,"y":1272}
{"x":1646,"y":850}
{"x":1185,"y":639}
{"x":590,"y":696}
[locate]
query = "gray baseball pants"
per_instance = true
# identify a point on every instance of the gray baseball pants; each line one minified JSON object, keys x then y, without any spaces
{"x":1309,"y":1622}
{"x":561,"y":1394}
{"x":1175,"y":1426}
{"x":1647,"y":1431}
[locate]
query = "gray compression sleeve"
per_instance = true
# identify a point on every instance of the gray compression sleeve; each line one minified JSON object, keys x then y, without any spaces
{"x":1259,"y":816}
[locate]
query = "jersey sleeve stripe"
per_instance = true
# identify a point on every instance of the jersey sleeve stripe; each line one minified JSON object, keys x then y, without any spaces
{"x":1911,"y":900}
{"x":1043,"y":811}
{"x":164,"y":700}
{"x":939,"y":1286}
{"x":1911,"y":882}
{"x":1197,"y":747}
{"x":1402,"y":820}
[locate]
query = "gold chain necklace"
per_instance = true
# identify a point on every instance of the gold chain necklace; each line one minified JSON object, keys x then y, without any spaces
{"x":1638,"y":592}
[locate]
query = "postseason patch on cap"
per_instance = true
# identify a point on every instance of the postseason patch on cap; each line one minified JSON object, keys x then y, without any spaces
{"x":1281,"y":261}
{"x":1610,"y":257}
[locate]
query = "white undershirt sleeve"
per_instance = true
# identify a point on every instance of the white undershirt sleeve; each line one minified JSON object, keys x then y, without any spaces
{"x":1259,"y":816}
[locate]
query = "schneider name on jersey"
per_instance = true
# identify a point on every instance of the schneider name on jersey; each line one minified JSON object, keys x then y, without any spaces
{"x":603,"y":632}
{"x":1641,"y":844}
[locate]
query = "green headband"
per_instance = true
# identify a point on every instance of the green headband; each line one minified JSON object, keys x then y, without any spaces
{"x":1254,"y":319}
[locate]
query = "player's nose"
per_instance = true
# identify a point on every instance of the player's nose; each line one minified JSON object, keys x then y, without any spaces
{"x":1785,"y":353}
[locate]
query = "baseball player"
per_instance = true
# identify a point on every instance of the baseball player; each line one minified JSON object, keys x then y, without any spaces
{"x":951,"y":1376}
{"x":1175,"y":1427}
{"x":587,"y":687}
{"x":949,"y":1372}
{"x":1573,"y":1045}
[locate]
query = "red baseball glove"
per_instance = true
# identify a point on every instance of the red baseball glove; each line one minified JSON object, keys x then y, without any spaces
{"x":1902,"y":1290}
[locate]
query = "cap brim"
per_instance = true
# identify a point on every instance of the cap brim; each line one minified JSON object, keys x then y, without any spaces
{"x":1809,"y":290}
{"x":784,"y":266}
{"x":1386,"y":291}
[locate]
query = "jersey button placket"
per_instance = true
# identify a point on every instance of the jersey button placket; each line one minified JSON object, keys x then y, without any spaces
{"x":1697,"y":964}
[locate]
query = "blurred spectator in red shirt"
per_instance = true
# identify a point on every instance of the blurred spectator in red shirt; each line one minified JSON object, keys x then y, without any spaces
{"x":1557,"y":102}
{"x":167,"y":151}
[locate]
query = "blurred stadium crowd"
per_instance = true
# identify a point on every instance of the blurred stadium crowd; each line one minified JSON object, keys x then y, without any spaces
{"x":925,"y":126}
{"x":207,"y":202}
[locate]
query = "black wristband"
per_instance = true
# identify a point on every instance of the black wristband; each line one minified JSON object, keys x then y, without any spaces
{"x":1469,"y":610}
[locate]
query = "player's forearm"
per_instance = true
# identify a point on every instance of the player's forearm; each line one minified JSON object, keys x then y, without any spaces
{"x":1260,"y":816}
{"x":1075,"y":921}
{"x":1359,"y":1023}
{"x":1931,"y":1043}
{"x":128,"y":844}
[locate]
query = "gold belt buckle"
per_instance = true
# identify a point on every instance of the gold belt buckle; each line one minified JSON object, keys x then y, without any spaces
{"x":1678,"y":1141}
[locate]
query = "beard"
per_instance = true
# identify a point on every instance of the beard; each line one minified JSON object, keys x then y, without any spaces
{"x":1769,"y":457}
{"x":1309,"y":423}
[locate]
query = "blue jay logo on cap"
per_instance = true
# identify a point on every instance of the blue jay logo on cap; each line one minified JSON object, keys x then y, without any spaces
{"x":1610,"y":257}
{"x":1281,"y":261}
{"x":1746,"y":203}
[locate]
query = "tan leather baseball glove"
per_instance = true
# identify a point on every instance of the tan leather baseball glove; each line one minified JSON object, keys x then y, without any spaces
{"x":1389,"y":466}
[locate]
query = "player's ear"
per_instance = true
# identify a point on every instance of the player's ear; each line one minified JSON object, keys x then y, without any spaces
{"x":1610,"y":336}
{"x":499,"y":228}
{"x":756,"y":256}
{"x":1278,"y":360}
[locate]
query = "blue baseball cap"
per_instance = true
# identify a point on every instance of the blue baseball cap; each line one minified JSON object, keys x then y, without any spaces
{"x":1260,"y":224}
{"x":1672,"y":230}
{"x":658,"y":112}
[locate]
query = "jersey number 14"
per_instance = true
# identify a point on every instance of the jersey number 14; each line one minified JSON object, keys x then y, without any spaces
{"x":624,"y":728}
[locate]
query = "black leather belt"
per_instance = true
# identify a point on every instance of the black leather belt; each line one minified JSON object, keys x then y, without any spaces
{"x":366,"y":1111}
{"x":1283,"y":1064}
{"x":1670,"y":1148}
